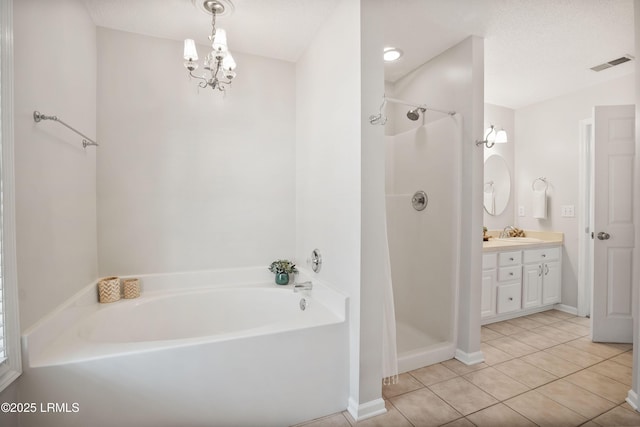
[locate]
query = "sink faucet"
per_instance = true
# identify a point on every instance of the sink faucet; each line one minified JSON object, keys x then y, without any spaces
{"x":304,"y":286}
{"x":507,"y":231}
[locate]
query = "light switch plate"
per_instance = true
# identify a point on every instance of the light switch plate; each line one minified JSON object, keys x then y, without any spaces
{"x":567,"y":211}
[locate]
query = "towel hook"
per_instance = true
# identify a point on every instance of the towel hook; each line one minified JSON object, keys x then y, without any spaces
{"x":543,"y":180}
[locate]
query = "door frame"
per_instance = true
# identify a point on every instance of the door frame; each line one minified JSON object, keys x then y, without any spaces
{"x":585,"y":219}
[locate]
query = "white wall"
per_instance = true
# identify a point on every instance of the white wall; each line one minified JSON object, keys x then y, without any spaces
{"x":55,"y":58}
{"x":502,"y":118}
{"x":334,"y":186}
{"x":548,"y":146}
{"x":373,"y":236}
{"x":328,"y":160}
{"x":189,"y":179}
{"x":454,"y":80}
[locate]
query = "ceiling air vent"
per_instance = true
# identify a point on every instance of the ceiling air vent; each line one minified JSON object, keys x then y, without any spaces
{"x":612,"y":63}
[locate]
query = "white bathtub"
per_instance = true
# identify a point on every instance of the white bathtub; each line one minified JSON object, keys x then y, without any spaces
{"x":203,"y":353}
{"x":212,"y":314}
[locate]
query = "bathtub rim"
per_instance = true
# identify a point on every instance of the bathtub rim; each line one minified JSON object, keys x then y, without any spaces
{"x":55,"y":325}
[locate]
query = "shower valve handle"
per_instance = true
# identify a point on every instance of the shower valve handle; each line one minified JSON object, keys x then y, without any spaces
{"x":419,"y":200}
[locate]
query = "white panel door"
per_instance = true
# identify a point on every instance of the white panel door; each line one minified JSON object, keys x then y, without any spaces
{"x":614,"y":130}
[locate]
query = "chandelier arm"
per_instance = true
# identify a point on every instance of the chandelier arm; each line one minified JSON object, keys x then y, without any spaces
{"x":204,"y":83}
{"x":197,"y":77}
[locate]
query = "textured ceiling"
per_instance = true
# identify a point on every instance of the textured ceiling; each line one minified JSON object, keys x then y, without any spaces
{"x":534,"y":49}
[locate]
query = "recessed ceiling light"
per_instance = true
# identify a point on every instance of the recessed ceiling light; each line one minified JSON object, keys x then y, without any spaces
{"x":392,"y":54}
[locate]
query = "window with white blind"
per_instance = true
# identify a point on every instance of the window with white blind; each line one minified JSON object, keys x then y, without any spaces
{"x":10,"y":359}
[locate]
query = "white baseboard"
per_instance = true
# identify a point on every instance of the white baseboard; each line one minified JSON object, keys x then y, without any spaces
{"x":632,"y":399}
{"x":469,"y":358}
{"x":366,"y":410}
{"x":566,"y":309}
{"x":426,"y":356}
{"x":514,"y":314}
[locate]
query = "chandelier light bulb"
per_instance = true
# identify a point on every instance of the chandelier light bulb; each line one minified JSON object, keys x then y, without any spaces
{"x":220,"y":41}
{"x":228,"y":63}
{"x":190,"y":52}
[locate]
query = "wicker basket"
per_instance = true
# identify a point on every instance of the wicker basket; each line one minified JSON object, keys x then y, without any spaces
{"x":109,"y":289}
{"x":131,"y":288}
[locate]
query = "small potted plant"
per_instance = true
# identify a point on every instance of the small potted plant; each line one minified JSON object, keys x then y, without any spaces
{"x":282,"y":268}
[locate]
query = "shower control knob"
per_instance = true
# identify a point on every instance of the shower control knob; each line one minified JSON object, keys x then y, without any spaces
{"x":419,"y":200}
{"x":315,"y":260}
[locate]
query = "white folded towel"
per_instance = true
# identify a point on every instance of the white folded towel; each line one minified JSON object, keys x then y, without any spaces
{"x":490,"y":203}
{"x":539,"y":204}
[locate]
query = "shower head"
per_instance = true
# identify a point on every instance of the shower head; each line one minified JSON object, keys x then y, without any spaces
{"x":415,"y":113}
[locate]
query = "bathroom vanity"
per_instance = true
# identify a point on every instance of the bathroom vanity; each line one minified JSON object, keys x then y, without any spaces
{"x":520,"y":276}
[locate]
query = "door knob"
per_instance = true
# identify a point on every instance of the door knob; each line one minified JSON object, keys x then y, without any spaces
{"x":603,"y":236}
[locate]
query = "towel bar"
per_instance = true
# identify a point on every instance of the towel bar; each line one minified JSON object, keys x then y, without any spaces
{"x":86,"y":141}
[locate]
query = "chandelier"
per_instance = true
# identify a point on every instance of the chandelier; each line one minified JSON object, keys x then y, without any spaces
{"x":218,"y":64}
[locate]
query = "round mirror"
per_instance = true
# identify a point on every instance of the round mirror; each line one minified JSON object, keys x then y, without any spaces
{"x":497,"y":185}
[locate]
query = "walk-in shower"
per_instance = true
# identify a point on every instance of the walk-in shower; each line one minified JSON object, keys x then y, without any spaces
{"x":423,"y":240}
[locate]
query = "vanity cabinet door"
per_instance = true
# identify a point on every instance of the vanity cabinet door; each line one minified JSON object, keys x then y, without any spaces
{"x":551,"y":282}
{"x":488,"y":305}
{"x":532,"y":285}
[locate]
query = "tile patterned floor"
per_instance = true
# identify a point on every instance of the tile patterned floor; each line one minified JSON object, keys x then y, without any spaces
{"x":539,"y":370}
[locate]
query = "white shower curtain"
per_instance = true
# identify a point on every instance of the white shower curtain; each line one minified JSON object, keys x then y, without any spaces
{"x":389,"y":348}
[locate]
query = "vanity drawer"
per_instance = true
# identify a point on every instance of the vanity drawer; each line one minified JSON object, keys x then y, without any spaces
{"x":509,"y":298}
{"x":541,"y":255}
{"x":509,"y":258}
{"x":509,"y":273}
{"x":489,"y":261}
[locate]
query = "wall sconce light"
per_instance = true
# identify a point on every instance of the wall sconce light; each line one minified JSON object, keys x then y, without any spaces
{"x":493,"y":136}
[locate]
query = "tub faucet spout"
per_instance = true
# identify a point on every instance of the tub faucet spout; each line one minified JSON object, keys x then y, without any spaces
{"x":304,"y":286}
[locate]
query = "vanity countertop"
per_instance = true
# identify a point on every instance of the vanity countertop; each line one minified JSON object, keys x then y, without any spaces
{"x":544,"y":238}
